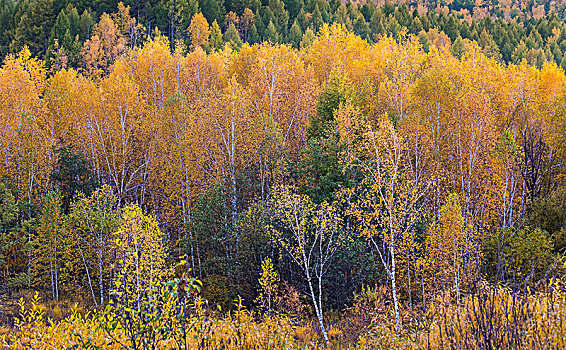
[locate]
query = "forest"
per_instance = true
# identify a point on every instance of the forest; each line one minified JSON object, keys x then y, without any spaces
{"x":507,"y":30}
{"x":389,"y":175}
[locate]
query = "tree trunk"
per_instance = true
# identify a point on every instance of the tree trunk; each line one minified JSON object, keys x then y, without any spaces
{"x":100,"y":284}
{"x":394,"y":289}
{"x":51,"y":275}
{"x":56,"y":274}
{"x":88,"y":276}
{"x":317,"y":308}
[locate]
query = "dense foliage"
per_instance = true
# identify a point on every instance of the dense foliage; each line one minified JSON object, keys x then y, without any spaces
{"x":508,"y":30}
{"x":375,"y":191}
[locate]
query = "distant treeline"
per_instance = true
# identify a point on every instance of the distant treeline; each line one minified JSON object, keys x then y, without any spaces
{"x":508,"y":33}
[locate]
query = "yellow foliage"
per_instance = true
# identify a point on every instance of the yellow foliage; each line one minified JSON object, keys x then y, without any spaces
{"x":268,"y":281}
{"x":143,"y":251}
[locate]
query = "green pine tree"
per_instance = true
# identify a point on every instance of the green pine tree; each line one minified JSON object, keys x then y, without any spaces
{"x":302,"y":19}
{"x":316,"y":20}
{"x":260,"y":25}
{"x":60,"y":33}
{"x":458,"y":48}
{"x":337,"y":91}
{"x":520,"y":53}
{"x":10,"y":239}
{"x":376,"y":23}
{"x":424,"y":41}
{"x":35,"y":19}
{"x":87,"y":24}
{"x":216,"y":41}
{"x":253,"y":35}
{"x":281,"y":16}
{"x":213,"y":10}
{"x":233,"y":37}
{"x":295,"y":35}
{"x":6,"y":16}
{"x":341,"y":15}
{"x":271,"y":33}
{"x":393,"y":27}
{"x":293,"y":7}
{"x":361,"y":27}
{"x":308,"y":38}
{"x":74,"y":20}
{"x":488,"y":45}
{"x":451,"y":28}
{"x":416,"y":25}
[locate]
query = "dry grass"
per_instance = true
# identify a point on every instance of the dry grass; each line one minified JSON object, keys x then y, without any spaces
{"x":492,"y":318}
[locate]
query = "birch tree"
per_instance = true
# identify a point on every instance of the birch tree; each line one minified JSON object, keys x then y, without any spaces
{"x":450,"y":247}
{"x":310,"y":234}
{"x":142,"y":247}
{"x":93,"y":223}
{"x":390,"y":197}
{"x":49,"y":236}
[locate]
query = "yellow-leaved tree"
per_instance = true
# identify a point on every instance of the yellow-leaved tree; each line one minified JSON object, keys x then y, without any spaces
{"x":49,"y":232}
{"x":112,"y":37}
{"x":24,"y":148}
{"x":392,"y":197}
{"x":199,"y":31}
{"x":268,"y":281}
{"x":452,"y":248}
{"x":310,"y":234}
{"x":143,"y":251}
{"x":92,"y":224}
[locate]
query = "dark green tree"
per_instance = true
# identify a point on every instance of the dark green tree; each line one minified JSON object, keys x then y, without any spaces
{"x":452,"y":27}
{"x":302,"y":19}
{"x":376,"y":23}
{"x":34,"y":20}
{"x":295,"y":35}
{"x":72,"y":174}
{"x":416,"y":25}
{"x":361,"y":28}
{"x":458,"y":47}
{"x":337,"y":91}
{"x":253,"y":35}
{"x":367,"y":10}
{"x":293,"y":7}
{"x":320,"y":168}
{"x":271,"y":33}
{"x":213,"y":10}
{"x":10,"y":237}
{"x":6,"y":16}
{"x":87,"y":24}
{"x":63,"y":41}
{"x":281,"y":16}
{"x":232,"y":36}
{"x":316,"y":20}
{"x":424,"y":41}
